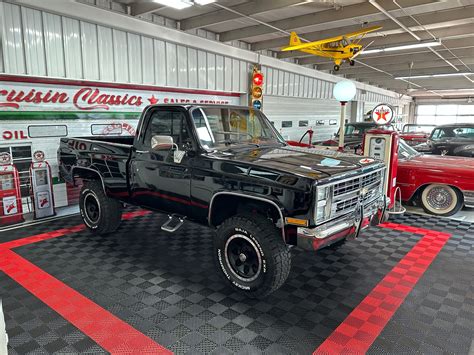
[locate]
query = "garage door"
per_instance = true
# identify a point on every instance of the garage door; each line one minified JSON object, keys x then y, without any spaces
{"x":293,"y":116}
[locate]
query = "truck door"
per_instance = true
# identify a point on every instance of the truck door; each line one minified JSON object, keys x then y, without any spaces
{"x":160,"y":179}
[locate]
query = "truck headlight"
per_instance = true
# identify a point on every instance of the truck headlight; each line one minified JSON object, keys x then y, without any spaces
{"x":321,"y":204}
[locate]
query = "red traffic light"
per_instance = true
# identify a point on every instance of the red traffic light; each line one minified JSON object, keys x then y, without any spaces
{"x":257,"y":79}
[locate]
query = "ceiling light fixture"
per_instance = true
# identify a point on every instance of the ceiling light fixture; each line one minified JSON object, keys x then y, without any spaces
{"x":175,"y":4}
{"x":428,"y":76}
{"x":402,"y":47}
{"x":183,"y":4}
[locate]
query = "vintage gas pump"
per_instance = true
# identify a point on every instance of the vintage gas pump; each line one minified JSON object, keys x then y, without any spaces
{"x":11,"y":210}
{"x":381,"y":143}
{"x":42,"y":187}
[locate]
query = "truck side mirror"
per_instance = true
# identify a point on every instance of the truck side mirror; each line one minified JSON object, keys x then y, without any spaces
{"x":162,"y":142}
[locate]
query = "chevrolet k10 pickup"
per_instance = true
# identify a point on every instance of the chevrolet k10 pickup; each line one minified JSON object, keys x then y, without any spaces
{"x":227,"y":167}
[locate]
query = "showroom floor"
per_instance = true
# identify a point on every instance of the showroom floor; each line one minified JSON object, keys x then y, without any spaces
{"x":402,"y":288}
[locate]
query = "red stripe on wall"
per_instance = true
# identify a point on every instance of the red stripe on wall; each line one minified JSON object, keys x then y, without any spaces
{"x":364,"y":324}
{"x":67,"y":82}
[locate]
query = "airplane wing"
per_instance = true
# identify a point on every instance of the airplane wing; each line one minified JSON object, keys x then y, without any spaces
{"x":309,"y":45}
{"x":362,"y":31}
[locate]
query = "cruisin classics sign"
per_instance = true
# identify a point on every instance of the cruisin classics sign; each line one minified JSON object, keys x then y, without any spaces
{"x":54,"y":97}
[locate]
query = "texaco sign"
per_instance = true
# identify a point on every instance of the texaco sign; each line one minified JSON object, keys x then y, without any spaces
{"x":382,"y":114}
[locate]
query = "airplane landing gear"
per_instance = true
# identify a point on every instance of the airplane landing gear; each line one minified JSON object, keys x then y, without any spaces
{"x":352,"y":63}
{"x":336,"y":67}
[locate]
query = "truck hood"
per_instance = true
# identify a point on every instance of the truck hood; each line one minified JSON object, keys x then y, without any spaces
{"x":309,"y":162}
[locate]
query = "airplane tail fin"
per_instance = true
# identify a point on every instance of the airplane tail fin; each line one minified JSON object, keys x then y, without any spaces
{"x":294,"y":39}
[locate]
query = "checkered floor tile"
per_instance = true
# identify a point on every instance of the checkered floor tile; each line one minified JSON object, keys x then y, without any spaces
{"x":166,"y":286}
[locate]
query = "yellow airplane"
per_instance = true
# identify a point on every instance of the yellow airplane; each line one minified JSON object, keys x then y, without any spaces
{"x":340,"y":48}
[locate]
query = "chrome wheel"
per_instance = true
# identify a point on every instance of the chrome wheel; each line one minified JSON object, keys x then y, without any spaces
{"x":243,"y":257}
{"x":439,"y":199}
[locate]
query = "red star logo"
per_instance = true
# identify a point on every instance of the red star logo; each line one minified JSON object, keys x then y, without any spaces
{"x":366,"y":161}
{"x":153,"y":100}
{"x":381,"y":115}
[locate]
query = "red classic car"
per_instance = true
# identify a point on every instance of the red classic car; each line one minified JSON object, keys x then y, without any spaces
{"x":415,"y":134}
{"x":442,"y":184}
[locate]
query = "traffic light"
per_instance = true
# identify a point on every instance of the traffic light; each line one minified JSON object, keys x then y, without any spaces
{"x":256,"y":89}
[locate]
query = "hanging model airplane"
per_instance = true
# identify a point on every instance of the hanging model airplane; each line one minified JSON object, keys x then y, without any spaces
{"x":340,"y":48}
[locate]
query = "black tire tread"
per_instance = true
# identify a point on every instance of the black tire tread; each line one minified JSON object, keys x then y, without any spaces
{"x":111,"y":211}
{"x":272,"y":241}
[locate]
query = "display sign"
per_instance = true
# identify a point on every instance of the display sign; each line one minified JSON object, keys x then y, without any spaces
{"x":16,"y":96}
{"x":382,"y":114}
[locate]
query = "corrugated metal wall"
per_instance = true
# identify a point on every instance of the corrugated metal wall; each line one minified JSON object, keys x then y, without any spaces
{"x":320,"y":115}
{"x":38,"y":43}
{"x":283,"y":83}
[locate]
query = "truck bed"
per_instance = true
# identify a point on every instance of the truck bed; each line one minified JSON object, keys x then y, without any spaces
{"x":104,"y":155}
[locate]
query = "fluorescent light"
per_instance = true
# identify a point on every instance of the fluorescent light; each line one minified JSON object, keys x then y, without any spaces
{"x":175,"y":4}
{"x":402,"y":47}
{"x":204,"y":2}
{"x":432,"y":76}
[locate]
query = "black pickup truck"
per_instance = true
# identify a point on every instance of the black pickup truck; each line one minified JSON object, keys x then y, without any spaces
{"x":228,"y":168}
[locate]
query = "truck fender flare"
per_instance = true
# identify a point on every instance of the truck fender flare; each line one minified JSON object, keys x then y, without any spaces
{"x":251,"y":198}
{"x":89,"y":169}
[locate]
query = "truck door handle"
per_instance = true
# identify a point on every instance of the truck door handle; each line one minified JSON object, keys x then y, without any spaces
{"x":142,"y":151}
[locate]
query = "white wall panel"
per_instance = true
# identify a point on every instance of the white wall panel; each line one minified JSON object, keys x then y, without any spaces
{"x":202,"y":70}
{"x":182,"y":67}
{"x":244,"y":77}
{"x":211,"y":71}
{"x":72,"y":48}
{"x":160,"y":62}
{"x":275,"y":82}
{"x":269,"y":81}
{"x":219,"y":72}
{"x":171,"y":65}
{"x":291,"y":85}
{"x":106,"y":53}
{"x":281,"y":82}
{"x":227,"y":74}
{"x":235,"y":75}
{"x":13,"y":50}
{"x":120,"y":56}
{"x":53,"y":39}
{"x":286,"y":87}
{"x":34,"y":44}
{"x":135,"y":58}
{"x":90,"y":55}
{"x":193,"y":68}
{"x":280,"y":108}
{"x":148,"y":62}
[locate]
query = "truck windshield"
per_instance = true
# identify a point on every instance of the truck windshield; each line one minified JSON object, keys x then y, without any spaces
{"x":219,"y":127}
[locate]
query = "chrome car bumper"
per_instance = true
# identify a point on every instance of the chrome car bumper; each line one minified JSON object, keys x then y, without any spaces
{"x":468,"y":198}
{"x":347,"y":226}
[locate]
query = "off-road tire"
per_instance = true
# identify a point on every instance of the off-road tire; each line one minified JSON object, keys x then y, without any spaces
{"x":268,"y":244}
{"x":109,"y":210}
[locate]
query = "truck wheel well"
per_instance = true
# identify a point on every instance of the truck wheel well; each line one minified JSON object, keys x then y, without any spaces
{"x":225,"y":206}
{"x":87,"y":174}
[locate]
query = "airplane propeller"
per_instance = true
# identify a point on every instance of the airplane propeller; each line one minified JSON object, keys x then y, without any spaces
{"x":359,"y":52}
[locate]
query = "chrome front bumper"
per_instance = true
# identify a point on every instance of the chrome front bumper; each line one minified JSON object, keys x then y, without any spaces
{"x":468,"y":198}
{"x":347,"y":226}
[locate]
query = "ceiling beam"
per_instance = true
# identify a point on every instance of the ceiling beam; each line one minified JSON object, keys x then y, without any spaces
{"x":399,"y":39}
{"x":361,"y":11}
{"x":247,"y":8}
{"x":430,"y":20}
{"x":399,"y":59}
{"x":142,"y":8}
{"x":406,"y":72}
{"x":430,"y":84}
